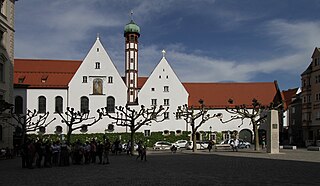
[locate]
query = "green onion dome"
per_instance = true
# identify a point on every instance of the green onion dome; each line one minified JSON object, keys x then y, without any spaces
{"x":132,"y":27}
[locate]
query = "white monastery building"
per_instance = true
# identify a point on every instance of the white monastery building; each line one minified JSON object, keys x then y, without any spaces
{"x":94,"y":82}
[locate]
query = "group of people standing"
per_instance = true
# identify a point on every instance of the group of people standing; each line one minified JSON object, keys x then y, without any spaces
{"x":46,"y":154}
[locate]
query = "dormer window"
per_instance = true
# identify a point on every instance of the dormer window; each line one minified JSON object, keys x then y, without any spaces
{"x":21,"y":79}
{"x":97,"y":65}
{"x":44,"y":78}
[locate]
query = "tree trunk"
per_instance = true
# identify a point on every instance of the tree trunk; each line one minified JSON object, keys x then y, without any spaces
{"x":131,"y":141}
{"x":69,"y":135}
{"x":194,"y":148}
{"x":256,"y":137}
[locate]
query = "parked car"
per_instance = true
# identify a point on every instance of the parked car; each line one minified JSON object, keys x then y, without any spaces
{"x":180,"y":143}
{"x":162,"y":145}
{"x":199,"y":144}
{"x":243,"y":144}
{"x":124,"y":146}
{"x":224,"y":144}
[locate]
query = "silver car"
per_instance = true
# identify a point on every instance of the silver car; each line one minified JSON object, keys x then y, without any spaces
{"x":162,"y":145}
{"x":180,"y":143}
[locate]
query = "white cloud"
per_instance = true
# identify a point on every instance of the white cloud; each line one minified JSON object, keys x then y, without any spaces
{"x":299,"y":39}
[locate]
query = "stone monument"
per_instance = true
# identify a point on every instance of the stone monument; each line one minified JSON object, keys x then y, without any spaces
{"x":273,"y":132}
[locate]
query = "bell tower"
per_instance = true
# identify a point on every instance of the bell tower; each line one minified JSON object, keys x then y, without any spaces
{"x":131,"y":34}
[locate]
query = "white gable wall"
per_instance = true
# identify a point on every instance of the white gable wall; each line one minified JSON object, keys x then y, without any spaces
{"x":116,"y":88}
{"x":162,"y":76}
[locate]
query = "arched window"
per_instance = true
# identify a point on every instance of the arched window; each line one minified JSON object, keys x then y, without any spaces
{"x":18,"y":105}
{"x":84,"y":104}
{"x":97,"y":86}
{"x":110,"y":104}
{"x":42,"y":104}
{"x":58,"y":104}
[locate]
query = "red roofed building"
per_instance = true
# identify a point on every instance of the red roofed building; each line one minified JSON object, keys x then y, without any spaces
{"x":93,"y":83}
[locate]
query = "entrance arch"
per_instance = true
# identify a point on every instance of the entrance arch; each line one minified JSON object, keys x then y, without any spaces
{"x":246,"y":135}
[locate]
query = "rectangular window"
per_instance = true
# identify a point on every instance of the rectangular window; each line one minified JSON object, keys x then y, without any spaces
{"x":152,"y":89}
{"x":97,"y":65}
{"x":147,"y":133}
{"x":166,"y":115}
{"x":84,"y":79}
{"x":166,"y":102}
{"x":166,"y":89}
{"x":293,"y":110}
{"x":153,"y":102}
{"x":178,"y":115}
{"x":110,"y":79}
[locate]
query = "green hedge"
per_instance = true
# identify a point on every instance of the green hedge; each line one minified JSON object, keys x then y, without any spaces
{"x":124,"y":137}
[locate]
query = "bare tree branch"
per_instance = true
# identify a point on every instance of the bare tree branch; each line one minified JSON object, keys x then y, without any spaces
{"x":191,"y":114}
{"x":134,"y":119}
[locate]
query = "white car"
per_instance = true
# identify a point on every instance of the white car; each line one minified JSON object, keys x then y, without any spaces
{"x":199,"y":144}
{"x":180,"y":143}
{"x":162,"y":145}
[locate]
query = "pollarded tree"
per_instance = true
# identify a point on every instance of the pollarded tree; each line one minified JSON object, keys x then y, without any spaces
{"x":31,"y":121}
{"x":191,"y":114}
{"x":3,"y":107}
{"x":76,"y":120}
{"x":255,"y":112}
{"x":135,"y":119}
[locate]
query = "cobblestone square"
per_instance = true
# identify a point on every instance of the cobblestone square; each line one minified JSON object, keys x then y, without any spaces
{"x":181,"y":168}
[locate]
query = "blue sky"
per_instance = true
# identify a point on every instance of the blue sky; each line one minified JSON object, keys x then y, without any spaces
{"x":205,"y":40}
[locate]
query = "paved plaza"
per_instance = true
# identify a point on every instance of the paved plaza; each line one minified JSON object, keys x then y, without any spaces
{"x":246,"y":167}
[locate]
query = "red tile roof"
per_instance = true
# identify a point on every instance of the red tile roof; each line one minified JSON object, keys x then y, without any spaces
{"x":288,"y":95}
{"x":217,"y":94}
{"x":141,"y":81}
{"x":39,"y":73}
{"x":36,"y":73}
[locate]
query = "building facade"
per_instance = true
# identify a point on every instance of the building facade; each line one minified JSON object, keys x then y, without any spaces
{"x":94,"y":83}
{"x":310,"y":95}
{"x":6,"y":65}
{"x":292,"y":120}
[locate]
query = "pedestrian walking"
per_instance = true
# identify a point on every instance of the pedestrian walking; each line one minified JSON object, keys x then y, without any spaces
{"x":100,"y":151}
{"x":236,"y":144}
{"x":210,"y":145}
{"x":142,"y":152}
{"x":106,"y":150}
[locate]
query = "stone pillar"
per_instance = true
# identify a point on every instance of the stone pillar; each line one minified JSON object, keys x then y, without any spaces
{"x":272,"y":132}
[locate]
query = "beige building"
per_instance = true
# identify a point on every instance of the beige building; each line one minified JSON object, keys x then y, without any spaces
{"x":310,"y":95}
{"x":6,"y":66}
